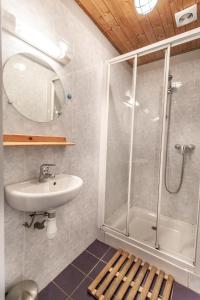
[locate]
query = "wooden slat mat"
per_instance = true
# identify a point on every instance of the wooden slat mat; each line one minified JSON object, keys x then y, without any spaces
{"x":128,"y":277}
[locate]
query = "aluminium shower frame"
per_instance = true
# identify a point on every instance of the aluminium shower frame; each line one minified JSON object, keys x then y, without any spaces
{"x":166,"y":46}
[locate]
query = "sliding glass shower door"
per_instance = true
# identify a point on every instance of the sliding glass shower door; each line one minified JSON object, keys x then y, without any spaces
{"x":147,"y":134}
{"x":120,"y":105}
{"x":152,"y":164}
{"x":135,"y":110}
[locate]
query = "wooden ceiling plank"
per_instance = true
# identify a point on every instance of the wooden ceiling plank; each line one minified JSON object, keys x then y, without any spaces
{"x":105,"y":27}
{"x":187,"y":3}
{"x":142,"y":21}
{"x":157,"y":25}
{"x":106,"y":14}
{"x":166,"y":17}
{"x":122,"y":21}
{"x":101,"y":25}
{"x":128,"y":9}
{"x":147,"y":27}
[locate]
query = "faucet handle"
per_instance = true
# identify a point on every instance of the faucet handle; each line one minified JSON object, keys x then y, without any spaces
{"x":45,"y":173}
{"x":177,"y":146}
{"x":191,"y":147}
{"x":44,"y":168}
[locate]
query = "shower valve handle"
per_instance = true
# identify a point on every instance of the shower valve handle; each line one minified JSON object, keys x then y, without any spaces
{"x":190,"y":147}
{"x":177,"y":146}
{"x":182,"y":148}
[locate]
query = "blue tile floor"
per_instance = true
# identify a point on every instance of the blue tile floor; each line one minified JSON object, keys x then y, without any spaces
{"x":72,"y":282}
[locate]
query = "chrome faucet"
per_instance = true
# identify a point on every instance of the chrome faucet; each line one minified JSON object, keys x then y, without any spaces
{"x":45,"y":172}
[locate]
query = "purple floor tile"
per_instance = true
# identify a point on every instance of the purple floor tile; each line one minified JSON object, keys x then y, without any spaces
{"x":98,"y":248}
{"x":180,"y":292}
{"x":69,"y":279}
{"x":109,"y":254}
{"x":85,"y":262}
{"x":52,"y":292}
{"x":81,"y":293}
{"x":93,"y":274}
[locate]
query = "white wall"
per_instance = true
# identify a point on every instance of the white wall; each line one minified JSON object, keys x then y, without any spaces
{"x":29,"y":254}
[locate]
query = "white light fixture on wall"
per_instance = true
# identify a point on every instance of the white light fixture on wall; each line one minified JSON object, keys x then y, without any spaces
{"x":59,"y":50}
{"x":144,"y":7}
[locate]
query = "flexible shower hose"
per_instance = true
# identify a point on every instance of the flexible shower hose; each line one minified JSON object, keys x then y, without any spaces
{"x":166,"y":155}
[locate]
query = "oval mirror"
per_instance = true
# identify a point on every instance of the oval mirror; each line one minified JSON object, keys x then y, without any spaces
{"x":33,"y":87}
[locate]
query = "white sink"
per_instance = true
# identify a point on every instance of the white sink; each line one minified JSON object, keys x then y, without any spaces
{"x":33,"y":195}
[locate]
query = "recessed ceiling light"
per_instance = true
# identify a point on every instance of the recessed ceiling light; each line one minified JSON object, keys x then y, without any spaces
{"x":144,"y":7}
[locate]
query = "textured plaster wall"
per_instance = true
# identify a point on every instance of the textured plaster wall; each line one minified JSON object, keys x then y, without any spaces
{"x":29,"y":254}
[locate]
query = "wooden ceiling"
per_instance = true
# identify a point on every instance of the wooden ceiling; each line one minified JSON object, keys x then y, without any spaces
{"x":128,"y":31}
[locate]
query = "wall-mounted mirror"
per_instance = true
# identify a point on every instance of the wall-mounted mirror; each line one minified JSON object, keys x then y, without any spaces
{"x":33,"y":87}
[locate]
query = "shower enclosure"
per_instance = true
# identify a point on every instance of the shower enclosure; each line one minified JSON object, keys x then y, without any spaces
{"x":150,"y":149}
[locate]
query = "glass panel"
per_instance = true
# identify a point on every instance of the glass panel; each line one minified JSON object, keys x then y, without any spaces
{"x":118,"y":145}
{"x":180,"y":191}
{"x":147,"y":147}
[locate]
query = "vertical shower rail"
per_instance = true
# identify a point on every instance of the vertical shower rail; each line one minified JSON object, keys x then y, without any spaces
{"x":103,"y":150}
{"x":134,"y":82}
{"x":163,"y":138}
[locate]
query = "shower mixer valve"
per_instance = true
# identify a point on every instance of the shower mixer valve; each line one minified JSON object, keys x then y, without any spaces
{"x":184,"y":148}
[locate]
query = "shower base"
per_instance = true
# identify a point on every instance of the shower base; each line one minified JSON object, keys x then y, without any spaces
{"x":176,"y":238}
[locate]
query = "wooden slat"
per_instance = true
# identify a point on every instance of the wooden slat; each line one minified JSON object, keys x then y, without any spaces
{"x":168,"y":288}
{"x":136,"y":286}
{"x":148,"y":283}
{"x":34,"y":140}
{"x":105,"y":270}
{"x":109,"y":277}
{"x":157,"y":286}
{"x":129,"y":279}
{"x":113,"y":287}
{"x":29,"y":144}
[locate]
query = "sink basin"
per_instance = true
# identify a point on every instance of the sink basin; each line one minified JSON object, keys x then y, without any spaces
{"x":33,"y":195}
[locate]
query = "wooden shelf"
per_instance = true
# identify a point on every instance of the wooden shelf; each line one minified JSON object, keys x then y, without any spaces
{"x":16,"y":140}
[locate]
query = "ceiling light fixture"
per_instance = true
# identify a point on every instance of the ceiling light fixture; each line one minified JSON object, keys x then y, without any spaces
{"x":144,"y":7}
{"x":60,"y":50}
